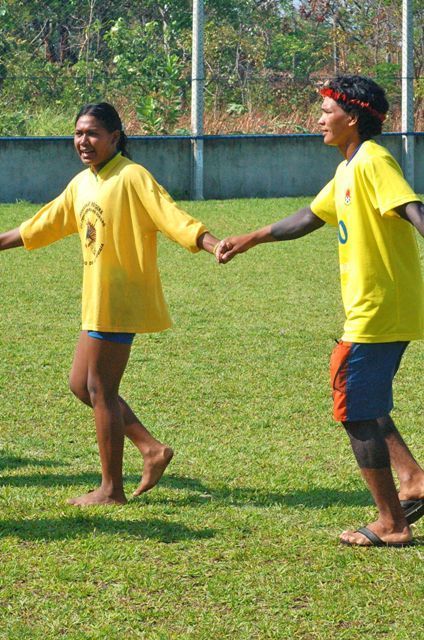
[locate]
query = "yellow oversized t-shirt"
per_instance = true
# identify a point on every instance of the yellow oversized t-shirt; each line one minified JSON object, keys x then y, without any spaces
{"x":381,"y":281}
{"x":117,"y":214}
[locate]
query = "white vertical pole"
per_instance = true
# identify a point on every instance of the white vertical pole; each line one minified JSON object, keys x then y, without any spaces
{"x":335,"y":47}
{"x":408,"y":163}
{"x":197,"y":87}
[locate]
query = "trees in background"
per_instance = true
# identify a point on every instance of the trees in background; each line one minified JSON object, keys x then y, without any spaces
{"x":263,"y":59}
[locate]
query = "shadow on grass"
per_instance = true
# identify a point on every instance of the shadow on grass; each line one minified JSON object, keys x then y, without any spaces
{"x":418,"y":542}
{"x":15,"y":462}
{"x":91,"y":480}
{"x":80,"y":526}
{"x":194,"y":491}
{"x":314,"y":498}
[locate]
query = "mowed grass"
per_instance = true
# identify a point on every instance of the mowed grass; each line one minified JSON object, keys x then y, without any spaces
{"x":240,"y":539}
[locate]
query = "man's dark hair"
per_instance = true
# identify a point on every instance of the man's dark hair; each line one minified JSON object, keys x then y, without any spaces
{"x":364,"y":98}
{"x":109,"y":117}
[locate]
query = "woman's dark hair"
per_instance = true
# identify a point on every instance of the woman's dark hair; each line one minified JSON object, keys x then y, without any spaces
{"x":365,"y":99}
{"x":109,"y":117}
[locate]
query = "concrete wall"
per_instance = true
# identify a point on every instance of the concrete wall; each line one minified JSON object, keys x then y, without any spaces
{"x":37,"y":169}
{"x":282,"y":165}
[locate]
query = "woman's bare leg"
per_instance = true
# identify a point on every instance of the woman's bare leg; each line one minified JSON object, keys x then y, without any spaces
{"x":156,"y":455}
{"x":105,"y":365}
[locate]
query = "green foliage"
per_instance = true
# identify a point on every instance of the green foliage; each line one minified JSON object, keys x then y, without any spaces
{"x":387,"y":74}
{"x":152,"y":76}
{"x":419,"y":88}
{"x":259,"y":54}
{"x":13,"y":124}
{"x":297,"y":52}
{"x":236,"y":109}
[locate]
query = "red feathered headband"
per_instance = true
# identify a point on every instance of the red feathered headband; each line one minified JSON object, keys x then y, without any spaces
{"x":338,"y":95}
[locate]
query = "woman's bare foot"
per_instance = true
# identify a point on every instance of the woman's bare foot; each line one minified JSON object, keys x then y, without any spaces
{"x":98,"y":496}
{"x":155,"y":463}
{"x":395,"y":536}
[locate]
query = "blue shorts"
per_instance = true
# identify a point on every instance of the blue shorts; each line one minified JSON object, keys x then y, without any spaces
{"x":111,"y":336}
{"x":362,"y":379}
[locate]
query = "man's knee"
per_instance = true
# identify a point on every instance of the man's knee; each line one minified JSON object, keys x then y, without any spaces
{"x":368,"y":444}
{"x":387,"y":426}
{"x":361,"y":429}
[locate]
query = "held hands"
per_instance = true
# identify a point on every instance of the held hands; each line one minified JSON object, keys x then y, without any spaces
{"x":225,"y":250}
{"x":229,"y":247}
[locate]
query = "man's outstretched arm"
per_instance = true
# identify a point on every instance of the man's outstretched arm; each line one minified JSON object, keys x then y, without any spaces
{"x":414,"y":213}
{"x":295,"y":226}
{"x":11,"y":239}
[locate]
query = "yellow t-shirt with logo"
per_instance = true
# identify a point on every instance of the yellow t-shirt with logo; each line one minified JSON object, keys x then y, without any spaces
{"x":117,"y":214}
{"x":381,"y":281}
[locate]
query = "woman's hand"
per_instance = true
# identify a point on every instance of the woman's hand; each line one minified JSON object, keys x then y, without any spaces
{"x":229,"y":247}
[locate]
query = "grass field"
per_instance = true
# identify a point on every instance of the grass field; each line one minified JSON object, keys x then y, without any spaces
{"x":240,"y":540}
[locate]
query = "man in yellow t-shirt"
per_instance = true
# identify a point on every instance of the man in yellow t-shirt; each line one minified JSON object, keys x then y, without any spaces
{"x":375,"y":212}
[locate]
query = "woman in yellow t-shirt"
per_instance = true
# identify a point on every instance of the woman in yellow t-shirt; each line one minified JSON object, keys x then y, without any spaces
{"x":117,"y":208}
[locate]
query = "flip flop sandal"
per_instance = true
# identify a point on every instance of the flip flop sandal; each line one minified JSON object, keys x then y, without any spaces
{"x":375,"y":540}
{"x":414,"y":509}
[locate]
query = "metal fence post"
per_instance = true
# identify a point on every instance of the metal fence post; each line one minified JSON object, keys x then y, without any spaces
{"x":197,"y":87}
{"x":408,"y":163}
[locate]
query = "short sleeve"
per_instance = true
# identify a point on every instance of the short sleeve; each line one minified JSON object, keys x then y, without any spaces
{"x":324,"y":204}
{"x":54,"y":221}
{"x":389,"y":187}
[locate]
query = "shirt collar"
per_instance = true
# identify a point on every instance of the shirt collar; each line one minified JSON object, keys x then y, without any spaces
{"x":354,"y":153}
{"x":107,"y":167}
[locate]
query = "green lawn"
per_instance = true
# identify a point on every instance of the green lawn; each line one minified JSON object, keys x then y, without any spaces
{"x":240,"y":539}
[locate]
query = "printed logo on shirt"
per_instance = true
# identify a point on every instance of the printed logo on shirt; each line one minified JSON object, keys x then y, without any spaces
{"x":90,"y":234}
{"x":92,"y":224}
{"x":347,"y":197}
{"x":343,"y":234}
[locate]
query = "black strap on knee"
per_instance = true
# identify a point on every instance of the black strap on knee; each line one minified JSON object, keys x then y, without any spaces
{"x":368,"y":444}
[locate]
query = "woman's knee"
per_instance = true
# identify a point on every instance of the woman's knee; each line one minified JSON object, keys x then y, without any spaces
{"x":79,"y":390}
{"x":101,"y":392}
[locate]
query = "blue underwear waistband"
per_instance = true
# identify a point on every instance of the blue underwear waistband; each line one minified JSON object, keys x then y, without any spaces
{"x":112,"y":336}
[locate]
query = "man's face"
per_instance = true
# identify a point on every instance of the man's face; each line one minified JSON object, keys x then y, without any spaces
{"x":336,"y":125}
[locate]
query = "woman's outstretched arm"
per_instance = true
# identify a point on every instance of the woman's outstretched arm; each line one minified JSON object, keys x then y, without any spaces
{"x":208,"y":242}
{"x":11,"y":239}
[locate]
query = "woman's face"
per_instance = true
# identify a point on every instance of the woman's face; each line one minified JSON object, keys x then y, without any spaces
{"x":95,"y":145}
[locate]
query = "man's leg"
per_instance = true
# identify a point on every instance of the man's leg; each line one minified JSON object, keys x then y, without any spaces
{"x":372,"y":455}
{"x":409,"y":472}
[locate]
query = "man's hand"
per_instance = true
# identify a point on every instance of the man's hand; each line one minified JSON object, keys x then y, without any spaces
{"x":295,"y":226}
{"x":229,"y":247}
